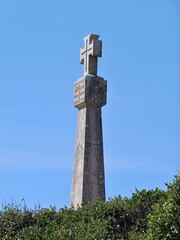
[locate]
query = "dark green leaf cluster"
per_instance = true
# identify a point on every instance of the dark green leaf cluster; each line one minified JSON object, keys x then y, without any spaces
{"x":152,"y":214}
{"x":164,"y":221}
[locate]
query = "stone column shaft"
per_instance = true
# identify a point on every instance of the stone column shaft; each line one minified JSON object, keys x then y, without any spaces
{"x":88,"y":175}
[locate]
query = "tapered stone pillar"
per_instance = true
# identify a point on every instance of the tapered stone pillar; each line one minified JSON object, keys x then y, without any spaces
{"x":89,"y":96}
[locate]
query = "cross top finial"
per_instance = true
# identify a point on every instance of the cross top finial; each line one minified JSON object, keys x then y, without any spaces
{"x":88,"y":55}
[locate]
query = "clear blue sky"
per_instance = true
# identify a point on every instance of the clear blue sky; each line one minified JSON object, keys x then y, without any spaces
{"x":39,"y":62}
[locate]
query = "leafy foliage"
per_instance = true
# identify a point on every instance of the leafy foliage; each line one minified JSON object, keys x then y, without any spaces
{"x":152,"y":214}
{"x":164,"y":222}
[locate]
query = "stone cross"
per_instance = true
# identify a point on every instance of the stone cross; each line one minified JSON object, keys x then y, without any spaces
{"x":89,"y":96}
{"x":88,"y":55}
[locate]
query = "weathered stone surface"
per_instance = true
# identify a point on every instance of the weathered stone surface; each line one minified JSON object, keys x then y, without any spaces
{"x":89,"y":96}
{"x":88,"y":175}
{"x":90,"y":91}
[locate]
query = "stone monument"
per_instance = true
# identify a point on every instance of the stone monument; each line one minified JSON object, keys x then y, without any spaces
{"x":89,"y":96}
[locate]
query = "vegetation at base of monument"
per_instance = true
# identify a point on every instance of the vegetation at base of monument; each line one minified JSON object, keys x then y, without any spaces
{"x":152,"y":214}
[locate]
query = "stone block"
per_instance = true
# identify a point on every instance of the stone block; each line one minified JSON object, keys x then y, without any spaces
{"x":90,"y":91}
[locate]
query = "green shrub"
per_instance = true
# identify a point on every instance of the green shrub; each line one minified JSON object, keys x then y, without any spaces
{"x":164,"y":221}
{"x":152,"y":214}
